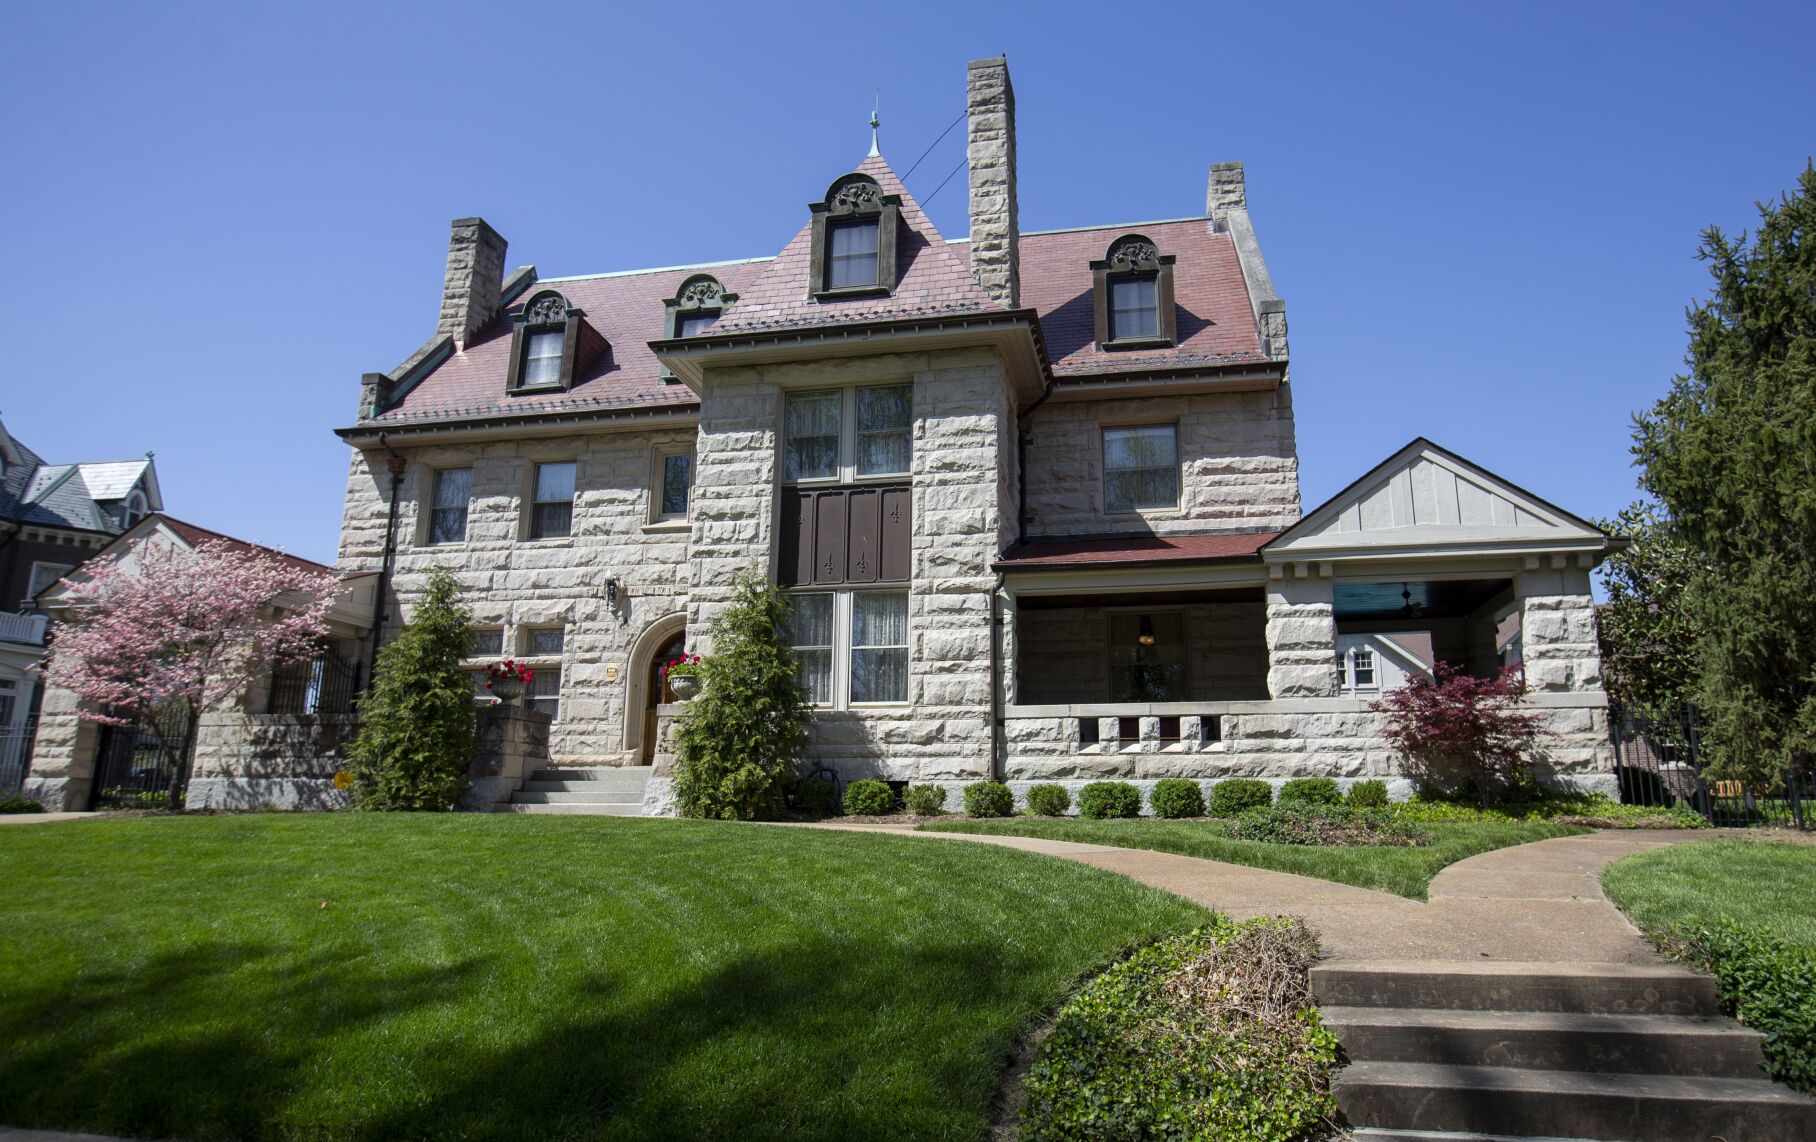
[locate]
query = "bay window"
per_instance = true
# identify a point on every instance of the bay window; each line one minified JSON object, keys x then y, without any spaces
{"x":851,"y":646}
{"x":848,"y":434}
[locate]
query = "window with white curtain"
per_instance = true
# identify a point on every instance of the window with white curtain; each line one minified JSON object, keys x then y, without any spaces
{"x":1134,"y":308}
{"x":851,"y":256}
{"x":542,"y":360}
{"x":1140,"y":467}
{"x":448,"y":514}
{"x":851,"y":646}
{"x":848,"y":434}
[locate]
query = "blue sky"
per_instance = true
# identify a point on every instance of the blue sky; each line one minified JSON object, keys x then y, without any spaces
{"x":1482,"y":218}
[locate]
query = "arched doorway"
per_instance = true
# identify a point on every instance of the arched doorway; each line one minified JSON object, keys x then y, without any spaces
{"x":657,"y":690}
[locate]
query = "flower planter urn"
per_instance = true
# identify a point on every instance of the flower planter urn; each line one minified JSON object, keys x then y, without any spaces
{"x":507,"y":690}
{"x":685,"y":686}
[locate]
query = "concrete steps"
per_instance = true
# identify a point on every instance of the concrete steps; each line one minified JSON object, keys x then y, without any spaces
{"x":1442,"y":1051}
{"x":615,"y":791}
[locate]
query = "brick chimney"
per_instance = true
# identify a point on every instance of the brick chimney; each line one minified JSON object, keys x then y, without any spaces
{"x":995,"y":231}
{"x":469,"y":293}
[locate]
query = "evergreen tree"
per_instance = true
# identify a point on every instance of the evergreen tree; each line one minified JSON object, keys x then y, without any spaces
{"x":738,"y":742}
{"x":1731,"y":453}
{"x":416,"y":722}
{"x":1648,"y":632}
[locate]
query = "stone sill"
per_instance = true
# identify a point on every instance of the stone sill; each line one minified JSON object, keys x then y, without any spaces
{"x":680,"y":526}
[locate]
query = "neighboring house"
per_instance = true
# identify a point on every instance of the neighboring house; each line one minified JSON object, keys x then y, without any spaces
{"x":52,"y":518}
{"x":1036,"y":496}
{"x":277,"y":742}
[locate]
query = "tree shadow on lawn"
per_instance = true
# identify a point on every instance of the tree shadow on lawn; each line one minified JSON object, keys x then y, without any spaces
{"x":828,"y":1037}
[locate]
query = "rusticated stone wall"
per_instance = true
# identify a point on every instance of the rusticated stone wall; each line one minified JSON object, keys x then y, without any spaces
{"x":1557,"y":630}
{"x":1301,"y":638}
{"x":62,"y":769}
{"x":1239,"y":467}
{"x":279,"y":761}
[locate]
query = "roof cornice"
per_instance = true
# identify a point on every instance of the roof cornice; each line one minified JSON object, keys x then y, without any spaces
{"x":518,"y":423}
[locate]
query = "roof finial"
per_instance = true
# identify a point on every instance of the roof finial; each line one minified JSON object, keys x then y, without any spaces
{"x":875,"y":122}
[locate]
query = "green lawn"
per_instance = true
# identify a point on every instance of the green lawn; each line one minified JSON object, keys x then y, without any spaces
{"x":1405,"y":871}
{"x":1758,"y":883}
{"x":364,"y":976}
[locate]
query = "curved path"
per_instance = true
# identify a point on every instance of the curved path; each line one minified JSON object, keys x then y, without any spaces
{"x":1537,"y":902}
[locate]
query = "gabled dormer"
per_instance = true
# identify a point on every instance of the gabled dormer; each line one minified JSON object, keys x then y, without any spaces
{"x":854,"y":240}
{"x":1132,"y":287}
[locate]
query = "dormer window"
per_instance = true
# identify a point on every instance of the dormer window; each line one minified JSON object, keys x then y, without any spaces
{"x":135,"y":509}
{"x":1133,"y":286}
{"x":854,"y":239}
{"x":551,"y":341}
{"x":695,"y":309}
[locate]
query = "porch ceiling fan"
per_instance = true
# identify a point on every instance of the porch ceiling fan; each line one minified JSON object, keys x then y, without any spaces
{"x":1409,"y":608}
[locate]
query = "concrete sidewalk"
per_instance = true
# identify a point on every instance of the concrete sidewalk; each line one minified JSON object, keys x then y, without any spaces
{"x":1540,"y":902}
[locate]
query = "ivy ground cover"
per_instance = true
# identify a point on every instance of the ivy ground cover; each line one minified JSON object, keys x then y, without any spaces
{"x":382,"y":976}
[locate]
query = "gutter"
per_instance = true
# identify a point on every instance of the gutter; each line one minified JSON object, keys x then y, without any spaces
{"x":396,"y":467}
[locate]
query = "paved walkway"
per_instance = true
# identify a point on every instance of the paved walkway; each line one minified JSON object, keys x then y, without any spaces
{"x":1538,"y":902}
{"x":40,"y":819}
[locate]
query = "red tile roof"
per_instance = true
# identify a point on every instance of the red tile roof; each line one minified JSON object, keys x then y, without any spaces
{"x":1216,"y":321}
{"x":192,"y":534}
{"x":626,"y":308}
{"x":1126,"y":549}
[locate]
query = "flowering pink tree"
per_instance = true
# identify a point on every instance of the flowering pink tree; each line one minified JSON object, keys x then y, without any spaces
{"x":1456,"y":729}
{"x":175,"y":629}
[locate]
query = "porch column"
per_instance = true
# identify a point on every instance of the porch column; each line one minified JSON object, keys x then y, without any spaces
{"x":1557,"y":627}
{"x":1301,"y":637}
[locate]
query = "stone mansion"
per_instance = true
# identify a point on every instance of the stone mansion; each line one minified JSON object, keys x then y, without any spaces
{"x":1035,"y":494}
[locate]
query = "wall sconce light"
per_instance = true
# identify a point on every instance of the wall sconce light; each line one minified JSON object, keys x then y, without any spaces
{"x":611,"y":593}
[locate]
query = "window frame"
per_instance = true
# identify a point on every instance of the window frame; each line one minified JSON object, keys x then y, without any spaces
{"x":527,"y":525}
{"x":32,"y":589}
{"x":698,"y":296}
{"x":853,"y":197}
{"x":1347,"y":685}
{"x":659,"y":458}
{"x":549,"y":311}
{"x":1128,"y":257}
{"x":542,"y":662}
{"x":432,"y":485}
{"x":135,"y":508}
{"x":848,"y":438}
{"x":1103,"y":462}
{"x":842,"y":645}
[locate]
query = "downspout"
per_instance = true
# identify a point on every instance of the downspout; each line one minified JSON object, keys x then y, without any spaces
{"x":996,"y":656}
{"x":395,"y":465}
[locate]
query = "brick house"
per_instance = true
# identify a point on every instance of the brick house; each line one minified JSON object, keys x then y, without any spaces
{"x":1036,"y":494}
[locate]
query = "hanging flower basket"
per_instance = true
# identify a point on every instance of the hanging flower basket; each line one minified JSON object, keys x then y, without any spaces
{"x":508,"y":680}
{"x":684,"y":676}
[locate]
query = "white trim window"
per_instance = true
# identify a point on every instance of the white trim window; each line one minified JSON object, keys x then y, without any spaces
{"x":542,"y":360}
{"x":857,"y":433}
{"x":136,"y":509}
{"x":671,"y":489}
{"x":448,"y":505}
{"x":852,"y":646}
{"x":1358,"y":670}
{"x":1140,"y":467}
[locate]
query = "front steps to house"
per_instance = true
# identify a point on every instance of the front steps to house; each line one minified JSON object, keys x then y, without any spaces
{"x":1496,"y":1051}
{"x":602,"y":790}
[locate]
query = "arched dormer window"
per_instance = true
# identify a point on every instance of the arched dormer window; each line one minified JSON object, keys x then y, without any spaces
{"x":695,"y":308}
{"x":550,"y":341}
{"x":135,"y":509}
{"x":854,"y":239}
{"x":1133,"y":285}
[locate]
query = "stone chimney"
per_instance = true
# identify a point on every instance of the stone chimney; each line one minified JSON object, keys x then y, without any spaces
{"x":995,"y":231}
{"x":469,"y":293}
{"x":1225,"y":190}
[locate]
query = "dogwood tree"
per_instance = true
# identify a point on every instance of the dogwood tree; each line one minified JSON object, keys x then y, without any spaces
{"x":183,"y":629}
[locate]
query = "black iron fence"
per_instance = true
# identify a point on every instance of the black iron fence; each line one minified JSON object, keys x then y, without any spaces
{"x":15,"y":754}
{"x":1659,"y":760}
{"x":140,"y":766}
{"x":325,"y":685}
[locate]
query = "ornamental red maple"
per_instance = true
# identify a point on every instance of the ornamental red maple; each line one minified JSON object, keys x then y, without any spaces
{"x":1456,"y":729}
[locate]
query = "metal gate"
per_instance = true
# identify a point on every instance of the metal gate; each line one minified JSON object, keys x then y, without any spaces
{"x":1658,"y":760}
{"x":132,"y":771}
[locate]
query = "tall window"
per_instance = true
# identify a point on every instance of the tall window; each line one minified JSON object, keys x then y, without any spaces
{"x":677,"y":481}
{"x":851,"y":646}
{"x":552,"y":509}
{"x":545,"y":691}
{"x":448,"y":515}
{"x":542,"y":360}
{"x":136,"y":508}
{"x":1140,"y":468}
{"x":851,"y":254}
{"x":545,"y":687}
{"x":1134,"y":308}
{"x":1147,"y":657}
{"x":849,"y":433}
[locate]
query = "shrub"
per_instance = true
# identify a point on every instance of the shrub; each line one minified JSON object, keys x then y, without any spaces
{"x":415,"y":738}
{"x":1766,"y":983}
{"x":1048,"y":800}
{"x":1299,"y":823}
{"x":1102,"y":800}
{"x":1461,"y":732}
{"x":21,"y":804}
{"x":925,"y":800}
{"x":1312,"y":791}
{"x":1238,"y":795}
{"x":815,"y":797}
{"x":988,"y":799}
{"x":1177,"y":797}
{"x":1367,"y":795}
{"x":1208,"y":1035}
{"x":1596,"y":810}
{"x":869,"y":798}
{"x":739,"y":740}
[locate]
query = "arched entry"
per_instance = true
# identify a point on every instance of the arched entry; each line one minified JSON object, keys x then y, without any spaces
{"x":664,"y":640}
